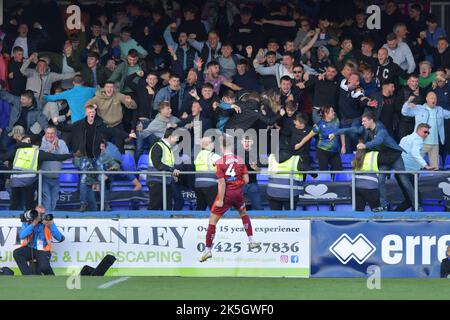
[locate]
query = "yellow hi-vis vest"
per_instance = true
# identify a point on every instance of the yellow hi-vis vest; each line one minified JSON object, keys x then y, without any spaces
{"x":204,"y":162}
{"x":279,"y":183}
{"x":48,"y":239}
{"x":369,"y":180}
{"x":167,"y":158}
{"x":26,"y":159}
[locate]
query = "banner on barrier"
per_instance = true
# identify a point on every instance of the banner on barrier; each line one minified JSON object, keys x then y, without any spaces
{"x":172,"y":246}
{"x":400,"y":249}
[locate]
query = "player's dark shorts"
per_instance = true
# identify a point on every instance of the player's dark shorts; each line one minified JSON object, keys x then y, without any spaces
{"x":233,"y":198}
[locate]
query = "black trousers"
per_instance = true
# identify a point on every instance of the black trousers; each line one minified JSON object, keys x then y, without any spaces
{"x":155,"y":194}
{"x":22,"y":198}
{"x":118,"y":141}
{"x":281,"y":204}
{"x":25,"y":255}
{"x":205,"y":197}
{"x":326,"y":158}
{"x":407,"y":203}
{"x":130,"y":117}
{"x":367,"y":196}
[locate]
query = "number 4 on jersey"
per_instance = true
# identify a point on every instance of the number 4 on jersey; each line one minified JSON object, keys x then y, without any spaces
{"x":230,"y":171}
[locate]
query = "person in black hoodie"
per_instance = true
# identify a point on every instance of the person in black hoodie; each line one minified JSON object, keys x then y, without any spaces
{"x":191,"y":25}
{"x":286,"y":124}
{"x":244,"y":32}
{"x":208,"y":100}
{"x":246,"y":77}
{"x":386,"y":110}
{"x":386,"y":69}
{"x":145,"y":90}
{"x":158,"y":58}
{"x":326,"y":90}
{"x":389,"y":17}
{"x":17,"y":80}
{"x":87,"y":135}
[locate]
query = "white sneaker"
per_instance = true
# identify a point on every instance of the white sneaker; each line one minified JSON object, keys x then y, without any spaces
{"x":254,"y":245}
{"x":207,"y":255}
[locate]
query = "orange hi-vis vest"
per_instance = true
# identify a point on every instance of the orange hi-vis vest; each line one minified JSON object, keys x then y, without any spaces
{"x":48,"y":238}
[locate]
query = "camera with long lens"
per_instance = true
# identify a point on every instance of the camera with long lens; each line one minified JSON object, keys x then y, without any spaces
{"x":29,"y":216}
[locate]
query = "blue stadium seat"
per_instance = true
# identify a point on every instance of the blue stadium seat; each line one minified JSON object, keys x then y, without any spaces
{"x":314,"y":207}
{"x":346,"y":160}
{"x":143,"y":162}
{"x":340,"y":177}
{"x":323,"y":177}
{"x":343,"y":207}
{"x":128,"y":163}
{"x":68,"y":179}
{"x":67,"y":165}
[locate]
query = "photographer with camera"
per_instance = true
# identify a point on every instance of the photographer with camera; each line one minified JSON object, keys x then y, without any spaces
{"x":38,"y":229}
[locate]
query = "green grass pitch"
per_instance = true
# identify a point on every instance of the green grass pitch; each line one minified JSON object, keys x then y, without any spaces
{"x":177,"y":288}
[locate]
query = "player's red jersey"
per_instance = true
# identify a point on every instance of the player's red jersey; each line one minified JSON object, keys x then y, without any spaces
{"x":231,"y":168}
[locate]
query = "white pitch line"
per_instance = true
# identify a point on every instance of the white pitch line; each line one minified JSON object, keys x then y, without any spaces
{"x":112,"y":283}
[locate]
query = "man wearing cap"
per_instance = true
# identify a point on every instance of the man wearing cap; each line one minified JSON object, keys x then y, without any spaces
{"x":323,"y":60}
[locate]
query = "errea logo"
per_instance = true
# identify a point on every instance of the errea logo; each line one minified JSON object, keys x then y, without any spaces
{"x":345,"y":248}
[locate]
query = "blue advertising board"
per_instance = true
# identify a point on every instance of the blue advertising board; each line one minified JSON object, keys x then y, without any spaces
{"x":400,"y":248}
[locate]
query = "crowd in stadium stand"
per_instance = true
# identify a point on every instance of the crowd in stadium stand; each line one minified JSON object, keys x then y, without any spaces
{"x":313,"y":70}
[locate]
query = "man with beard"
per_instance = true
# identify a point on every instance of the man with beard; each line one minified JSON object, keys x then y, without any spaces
{"x":385,"y":109}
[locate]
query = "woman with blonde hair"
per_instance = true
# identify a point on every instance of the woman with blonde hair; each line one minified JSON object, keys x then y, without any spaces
{"x":367,"y":188}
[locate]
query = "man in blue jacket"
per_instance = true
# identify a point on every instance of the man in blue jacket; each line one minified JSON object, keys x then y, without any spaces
{"x":36,"y":236}
{"x":390,"y":154}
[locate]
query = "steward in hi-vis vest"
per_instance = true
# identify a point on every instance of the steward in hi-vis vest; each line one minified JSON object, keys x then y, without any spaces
{"x":279,"y":185}
{"x":206,"y":179}
{"x":367,"y":184}
{"x":160,"y":159}
{"x":27,"y":158}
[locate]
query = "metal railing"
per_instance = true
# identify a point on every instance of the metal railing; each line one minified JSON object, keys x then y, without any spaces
{"x":164,"y":175}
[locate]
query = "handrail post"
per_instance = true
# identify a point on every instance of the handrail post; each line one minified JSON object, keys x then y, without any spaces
{"x":353,"y":191}
{"x":291,"y":190}
{"x":102,"y":192}
{"x":416,"y":191}
{"x":164,"y":189}
{"x":40,"y":188}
